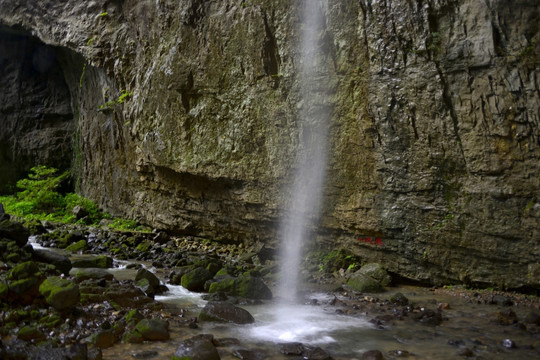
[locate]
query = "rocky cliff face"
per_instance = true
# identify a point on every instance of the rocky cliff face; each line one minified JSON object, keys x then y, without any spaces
{"x":187,"y":120}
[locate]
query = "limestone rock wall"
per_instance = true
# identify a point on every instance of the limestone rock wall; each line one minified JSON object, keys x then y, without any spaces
{"x":187,"y":120}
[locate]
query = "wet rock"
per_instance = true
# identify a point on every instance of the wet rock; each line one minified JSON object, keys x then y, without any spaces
{"x":225,"y":312}
{"x":372,"y":355}
{"x":316,"y":353}
{"x":79,"y":212}
{"x":429,"y":317}
{"x":443,"y":306}
{"x":78,"y":246}
{"x":92,"y":273}
{"x":133,"y":317}
{"x":147,"y":354}
{"x":29,"y":333}
{"x":102,"y":339}
{"x":98,"y":261}
{"x":149,"y":283}
{"x":14,"y":231}
{"x":61,"y":262}
{"x":195,"y":279}
{"x":399,"y":299}
{"x":465,"y":352}
{"x":509,"y":344}
{"x":532,"y":318}
{"x":400,"y":353}
{"x":26,"y":290}
{"x":454,"y":342}
{"x":60,"y":293}
{"x":293,"y":348}
{"x":247,"y":287}
{"x":376,"y":271}
{"x":24,"y":270}
{"x":200,"y":347}
{"x":505,"y":317}
{"x":162,"y":238}
{"x":363,"y":283}
{"x":501,"y":300}
{"x":35,"y":227}
{"x":244,"y":354}
{"x":153,"y":329}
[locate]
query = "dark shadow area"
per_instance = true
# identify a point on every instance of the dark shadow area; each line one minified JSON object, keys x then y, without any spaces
{"x":36,"y":115}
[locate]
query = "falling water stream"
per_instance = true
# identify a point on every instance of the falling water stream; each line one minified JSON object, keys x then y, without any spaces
{"x":305,"y":199}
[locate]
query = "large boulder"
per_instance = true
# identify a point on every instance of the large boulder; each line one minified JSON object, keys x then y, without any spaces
{"x":153,"y":329}
{"x":200,"y":347}
{"x":92,"y":273}
{"x":61,"y":262}
{"x":149,"y":283}
{"x":376,"y":271}
{"x":363,"y":283}
{"x":225,"y":312}
{"x":14,"y":231}
{"x":244,"y":286}
{"x":60,"y":293}
{"x":195,"y":279}
{"x":99,"y":261}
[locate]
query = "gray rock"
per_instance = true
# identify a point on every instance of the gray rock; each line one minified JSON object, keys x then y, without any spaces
{"x":60,"y":293}
{"x":79,"y":212}
{"x":376,"y":272}
{"x":92,"y":273}
{"x":225,"y":312}
{"x":194,"y":280}
{"x":61,"y":262}
{"x":97,"y":261}
{"x":363,"y":283}
{"x":199,"y":347}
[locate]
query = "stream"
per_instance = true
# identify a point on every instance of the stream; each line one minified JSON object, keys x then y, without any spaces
{"x":343,"y":325}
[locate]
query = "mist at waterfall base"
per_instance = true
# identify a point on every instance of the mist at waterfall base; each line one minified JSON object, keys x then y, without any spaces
{"x":289,"y":320}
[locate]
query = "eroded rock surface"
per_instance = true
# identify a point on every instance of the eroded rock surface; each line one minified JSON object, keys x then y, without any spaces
{"x":187,"y":115}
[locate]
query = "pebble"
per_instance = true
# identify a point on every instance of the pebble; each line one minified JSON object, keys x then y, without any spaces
{"x":509,"y":344}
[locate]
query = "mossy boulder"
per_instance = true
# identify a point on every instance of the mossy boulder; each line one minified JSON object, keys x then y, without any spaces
{"x":244,"y":286}
{"x":99,"y":261}
{"x":376,"y":271}
{"x":60,"y":293}
{"x":153,"y":329}
{"x":195,"y":279}
{"x":25,"y":290}
{"x":61,"y":262}
{"x":363,"y":283}
{"x":93,"y":273}
{"x":103,"y":339}
{"x":78,"y":246}
{"x":24,"y":270}
{"x":200,"y":347}
{"x":225,"y":312}
{"x":29,"y":333}
{"x":14,"y":231}
{"x":149,"y":283}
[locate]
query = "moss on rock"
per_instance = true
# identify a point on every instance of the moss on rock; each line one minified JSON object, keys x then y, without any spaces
{"x":60,"y":293}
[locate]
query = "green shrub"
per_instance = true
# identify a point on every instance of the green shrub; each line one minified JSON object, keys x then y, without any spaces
{"x":40,"y":198}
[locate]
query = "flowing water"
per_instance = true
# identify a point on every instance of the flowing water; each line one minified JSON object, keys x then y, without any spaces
{"x":314,"y":114}
{"x":321,"y":321}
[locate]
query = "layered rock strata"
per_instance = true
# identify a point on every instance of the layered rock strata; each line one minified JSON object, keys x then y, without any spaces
{"x":187,"y":120}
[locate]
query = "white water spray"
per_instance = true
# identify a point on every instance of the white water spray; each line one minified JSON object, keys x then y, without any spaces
{"x":313,"y":116}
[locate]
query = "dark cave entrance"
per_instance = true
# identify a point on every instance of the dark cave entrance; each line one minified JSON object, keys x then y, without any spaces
{"x":36,"y":112}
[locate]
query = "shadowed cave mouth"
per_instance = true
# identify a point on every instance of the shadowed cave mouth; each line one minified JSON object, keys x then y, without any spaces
{"x":37,"y":119}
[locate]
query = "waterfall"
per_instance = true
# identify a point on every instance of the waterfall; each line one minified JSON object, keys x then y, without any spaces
{"x":313,"y":117}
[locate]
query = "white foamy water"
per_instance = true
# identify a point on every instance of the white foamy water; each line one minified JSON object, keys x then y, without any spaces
{"x":307,"y":324}
{"x":181,"y":296}
{"x":32,"y":241}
